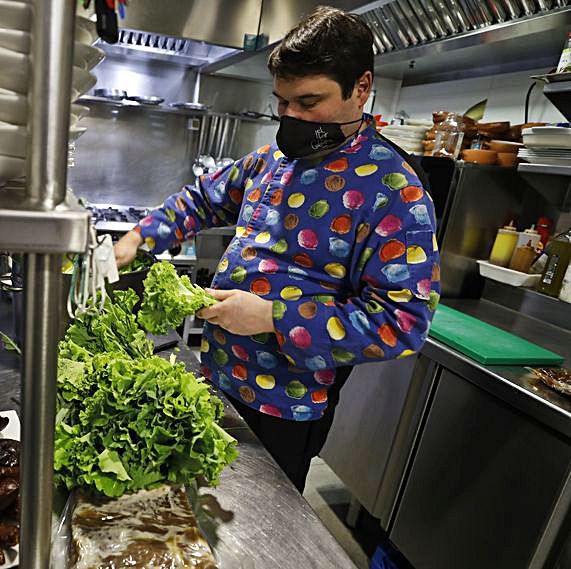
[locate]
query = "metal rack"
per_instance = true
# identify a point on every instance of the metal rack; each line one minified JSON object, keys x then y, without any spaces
{"x":38,"y":220}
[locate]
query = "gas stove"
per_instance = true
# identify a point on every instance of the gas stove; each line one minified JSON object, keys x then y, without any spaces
{"x":109,"y":218}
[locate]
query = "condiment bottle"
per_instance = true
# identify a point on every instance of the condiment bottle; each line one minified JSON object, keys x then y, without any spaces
{"x":565,"y":60}
{"x":559,"y":254}
{"x":529,"y":235}
{"x":523,"y":258}
{"x":504,"y":245}
{"x":565,"y":294}
{"x":544,"y":225}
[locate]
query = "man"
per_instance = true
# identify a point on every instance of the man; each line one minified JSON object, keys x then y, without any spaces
{"x":334,"y":261}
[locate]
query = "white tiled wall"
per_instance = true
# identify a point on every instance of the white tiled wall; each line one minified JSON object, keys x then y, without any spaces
{"x":387,"y":92}
{"x":505,"y":94}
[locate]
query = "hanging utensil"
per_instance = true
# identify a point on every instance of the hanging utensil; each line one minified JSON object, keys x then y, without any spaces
{"x":224,"y":126}
{"x":235,"y":127}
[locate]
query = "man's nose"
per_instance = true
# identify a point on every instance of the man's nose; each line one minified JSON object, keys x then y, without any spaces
{"x":293,"y":112}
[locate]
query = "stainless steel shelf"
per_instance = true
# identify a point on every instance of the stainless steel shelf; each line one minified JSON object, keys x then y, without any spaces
{"x":557,"y":190}
{"x":544,"y":169}
{"x":57,"y":231}
{"x":133,"y":106}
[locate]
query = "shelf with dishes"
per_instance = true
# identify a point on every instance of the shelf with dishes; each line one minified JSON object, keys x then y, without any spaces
{"x":183,"y":109}
{"x":531,"y":258}
{"x":15,"y":62}
{"x":547,"y":151}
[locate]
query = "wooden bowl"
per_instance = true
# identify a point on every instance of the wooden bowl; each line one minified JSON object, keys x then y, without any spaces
{"x":480,"y":156}
{"x":492,"y":129}
{"x":504,"y":147}
{"x":507,"y":159}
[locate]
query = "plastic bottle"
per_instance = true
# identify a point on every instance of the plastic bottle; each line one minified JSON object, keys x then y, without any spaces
{"x":565,"y":59}
{"x":449,"y":135}
{"x":565,"y":293}
{"x":504,"y":245}
{"x":529,"y":236}
{"x":523,"y":258}
{"x":559,"y":254}
{"x":544,"y":225}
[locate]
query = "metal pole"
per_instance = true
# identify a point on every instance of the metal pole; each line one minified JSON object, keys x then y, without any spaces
{"x":42,"y":309}
{"x":49,"y":98}
{"x":48,"y":123}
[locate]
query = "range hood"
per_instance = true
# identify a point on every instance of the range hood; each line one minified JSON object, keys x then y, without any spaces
{"x":193,"y":33}
{"x":183,"y":51}
{"x":199,"y":33}
{"x":424,"y":41}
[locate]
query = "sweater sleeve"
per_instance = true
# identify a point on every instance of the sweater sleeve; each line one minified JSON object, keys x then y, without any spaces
{"x":396,"y":290}
{"x":214,"y":201}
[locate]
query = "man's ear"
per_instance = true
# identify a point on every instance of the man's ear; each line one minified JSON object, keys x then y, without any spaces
{"x":363,"y":87}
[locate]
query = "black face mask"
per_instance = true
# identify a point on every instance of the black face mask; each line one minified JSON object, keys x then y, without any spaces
{"x":297,"y":138}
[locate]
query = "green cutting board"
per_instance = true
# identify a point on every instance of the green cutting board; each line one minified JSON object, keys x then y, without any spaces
{"x":485,"y":343}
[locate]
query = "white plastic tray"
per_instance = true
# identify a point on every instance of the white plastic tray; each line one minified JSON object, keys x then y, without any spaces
{"x":507,"y":276}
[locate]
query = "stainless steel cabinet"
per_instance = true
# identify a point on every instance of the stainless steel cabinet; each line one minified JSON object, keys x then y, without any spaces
{"x":482,"y":484}
{"x":362,"y":438}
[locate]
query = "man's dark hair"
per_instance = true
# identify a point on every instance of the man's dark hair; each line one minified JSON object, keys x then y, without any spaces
{"x":328,"y":42}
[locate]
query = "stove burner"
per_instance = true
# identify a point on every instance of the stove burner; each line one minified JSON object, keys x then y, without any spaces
{"x":115,"y":217}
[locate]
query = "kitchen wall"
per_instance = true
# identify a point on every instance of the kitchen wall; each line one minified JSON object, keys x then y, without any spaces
{"x":387,"y":94}
{"x":139,"y":156}
{"x":235,"y":95}
{"x":505,"y":94}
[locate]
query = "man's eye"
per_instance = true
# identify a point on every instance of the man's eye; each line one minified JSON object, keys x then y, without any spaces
{"x":308,"y":106}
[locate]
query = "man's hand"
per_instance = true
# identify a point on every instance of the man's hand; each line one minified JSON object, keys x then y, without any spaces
{"x":126,"y":248}
{"x":240,"y":312}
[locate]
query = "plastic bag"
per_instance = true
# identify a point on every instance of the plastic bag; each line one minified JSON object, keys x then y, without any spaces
{"x":225,"y":556}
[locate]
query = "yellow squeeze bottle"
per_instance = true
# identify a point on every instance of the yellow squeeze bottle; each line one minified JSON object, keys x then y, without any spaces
{"x":504,"y":245}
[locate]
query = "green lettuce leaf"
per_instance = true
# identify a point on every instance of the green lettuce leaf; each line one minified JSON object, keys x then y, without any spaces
{"x":168,"y":298}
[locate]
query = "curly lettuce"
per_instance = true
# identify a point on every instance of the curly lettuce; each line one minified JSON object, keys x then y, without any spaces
{"x":129,"y":420}
{"x":169,"y":298}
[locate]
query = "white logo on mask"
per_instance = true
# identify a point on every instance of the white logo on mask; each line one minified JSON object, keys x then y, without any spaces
{"x":320,"y":139}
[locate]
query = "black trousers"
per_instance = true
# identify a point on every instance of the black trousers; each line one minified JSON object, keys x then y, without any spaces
{"x":294,"y":443}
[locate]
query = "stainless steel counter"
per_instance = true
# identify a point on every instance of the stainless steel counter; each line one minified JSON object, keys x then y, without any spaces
{"x":514,"y":384}
{"x":273,"y":525}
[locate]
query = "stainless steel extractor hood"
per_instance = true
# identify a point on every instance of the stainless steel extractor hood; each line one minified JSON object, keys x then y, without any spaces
{"x":191,"y":32}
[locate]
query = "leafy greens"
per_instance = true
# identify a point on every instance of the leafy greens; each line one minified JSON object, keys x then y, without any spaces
{"x":169,"y":298}
{"x":127,"y":419}
{"x":9,"y":344}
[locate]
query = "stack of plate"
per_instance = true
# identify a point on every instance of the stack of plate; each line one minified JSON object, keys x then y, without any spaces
{"x":15,"y":70}
{"x":408,"y":136}
{"x":549,"y":145}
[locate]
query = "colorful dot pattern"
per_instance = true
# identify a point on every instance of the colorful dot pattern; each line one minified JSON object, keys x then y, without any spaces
{"x":344,"y":248}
